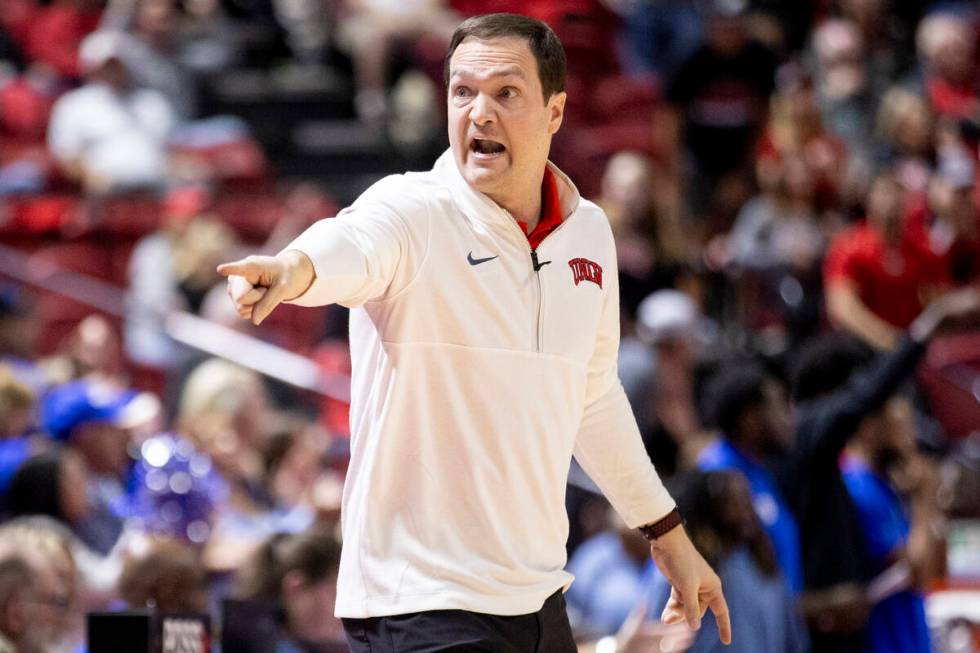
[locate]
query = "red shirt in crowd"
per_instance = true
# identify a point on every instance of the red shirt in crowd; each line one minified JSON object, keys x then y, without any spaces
{"x":892,"y":281}
{"x":55,"y":35}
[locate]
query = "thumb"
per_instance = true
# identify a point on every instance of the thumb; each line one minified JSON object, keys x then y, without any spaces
{"x":272,"y":298}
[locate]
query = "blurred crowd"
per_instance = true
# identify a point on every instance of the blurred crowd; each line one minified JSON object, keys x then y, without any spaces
{"x":793,"y":189}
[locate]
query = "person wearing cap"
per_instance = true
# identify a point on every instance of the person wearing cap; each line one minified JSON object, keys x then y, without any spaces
{"x":109,"y":135}
{"x":484,"y":339}
{"x":94,"y":419}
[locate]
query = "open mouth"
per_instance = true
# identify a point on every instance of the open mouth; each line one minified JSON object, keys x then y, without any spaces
{"x":485,"y":147}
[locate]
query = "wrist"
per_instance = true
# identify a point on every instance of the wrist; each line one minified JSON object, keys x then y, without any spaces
{"x":661,"y":528}
{"x":300,"y":272}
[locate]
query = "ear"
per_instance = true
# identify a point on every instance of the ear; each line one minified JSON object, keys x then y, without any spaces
{"x":556,"y":111}
{"x":292,"y":582}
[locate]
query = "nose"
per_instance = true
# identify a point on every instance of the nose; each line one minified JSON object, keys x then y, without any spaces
{"x":481,"y":111}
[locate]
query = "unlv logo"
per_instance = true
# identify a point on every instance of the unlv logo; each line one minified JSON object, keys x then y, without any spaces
{"x":585,"y":270}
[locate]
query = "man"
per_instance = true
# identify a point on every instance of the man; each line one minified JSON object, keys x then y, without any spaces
{"x":470,"y":388}
{"x":878,"y":278}
{"x":108,"y":134}
{"x":752,"y":415}
{"x":899,"y":532}
{"x":95,"y":419}
{"x":838,"y":395}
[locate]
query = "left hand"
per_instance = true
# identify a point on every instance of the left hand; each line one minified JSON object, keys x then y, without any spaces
{"x":694,"y":586}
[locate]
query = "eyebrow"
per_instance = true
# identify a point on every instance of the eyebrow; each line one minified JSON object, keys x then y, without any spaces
{"x":499,"y":71}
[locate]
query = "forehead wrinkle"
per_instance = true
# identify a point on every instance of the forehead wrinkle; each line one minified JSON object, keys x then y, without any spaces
{"x":484,"y":73}
{"x":483,"y":60}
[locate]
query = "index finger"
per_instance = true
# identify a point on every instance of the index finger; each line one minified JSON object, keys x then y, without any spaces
{"x":719,"y":607}
{"x":240,"y":268}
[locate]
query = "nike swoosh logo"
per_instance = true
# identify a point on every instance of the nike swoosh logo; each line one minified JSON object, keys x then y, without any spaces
{"x":477,"y":261}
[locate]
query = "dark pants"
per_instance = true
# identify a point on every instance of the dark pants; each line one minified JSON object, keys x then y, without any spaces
{"x":544,"y":631}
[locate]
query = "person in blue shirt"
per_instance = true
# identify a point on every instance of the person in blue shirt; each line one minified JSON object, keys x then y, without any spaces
{"x":609,"y":569}
{"x":750,"y":410}
{"x":722,"y":523}
{"x":894,"y":488}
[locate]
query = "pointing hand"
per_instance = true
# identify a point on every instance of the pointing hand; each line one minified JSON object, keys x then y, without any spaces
{"x":257,"y":284}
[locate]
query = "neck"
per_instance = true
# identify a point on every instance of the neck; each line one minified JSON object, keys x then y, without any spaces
{"x":525,"y":206}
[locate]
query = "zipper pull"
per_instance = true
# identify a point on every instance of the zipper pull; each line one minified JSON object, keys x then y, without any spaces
{"x":534,"y":261}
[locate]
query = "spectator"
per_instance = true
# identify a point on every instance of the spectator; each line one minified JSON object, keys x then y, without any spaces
{"x":207,"y":40}
{"x":661,"y":35}
{"x":797,"y":129}
{"x":751,"y":412}
{"x":224,"y":412}
{"x":719,"y":99}
{"x":299,"y":573}
{"x":836,"y":395}
{"x":109,"y":134}
{"x":718,"y":510}
{"x":40,"y":610}
{"x":650,"y":247}
{"x":153,"y":285}
{"x":778,"y":230}
{"x":52,"y":484}
{"x":608,"y":570}
{"x":950,"y":221}
{"x":372,"y":31}
{"x":92,"y":418}
{"x":17,"y":406}
{"x":661,"y":384}
{"x":905,"y":127}
{"x":881,"y":464}
{"x":877,"y":277}
{"x":843,"y":90}
{"x":947,"y":48}
{"x":168,"y":577}
{"x":151,"y":54}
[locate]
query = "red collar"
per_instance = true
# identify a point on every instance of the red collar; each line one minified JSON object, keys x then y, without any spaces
{"x":550,"y":210}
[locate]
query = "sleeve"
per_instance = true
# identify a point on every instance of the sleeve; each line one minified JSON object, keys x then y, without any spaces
{"x":828,"y":423}
{"x":841,"y":263}
{"x":371,"y":251}
{"x":608,"y":443}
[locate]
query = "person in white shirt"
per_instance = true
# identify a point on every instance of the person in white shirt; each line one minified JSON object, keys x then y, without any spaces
{"x":484,"y":335}
{"x":108,"y":134}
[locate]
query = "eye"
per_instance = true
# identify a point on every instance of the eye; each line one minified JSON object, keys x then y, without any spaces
{"x":461,"y":91}
{"x":508,"y":92}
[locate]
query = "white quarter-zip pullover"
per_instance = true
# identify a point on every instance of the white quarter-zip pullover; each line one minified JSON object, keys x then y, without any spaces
{"x":477,"y":373}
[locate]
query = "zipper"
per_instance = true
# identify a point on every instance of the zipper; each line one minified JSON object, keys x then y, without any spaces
{"x":536,"y":265}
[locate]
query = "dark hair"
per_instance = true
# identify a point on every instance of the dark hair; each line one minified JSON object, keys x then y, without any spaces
{"x":314,"y":553}
{"x":35,"y":488}
{"x":169,"y":577}
{"x":732,"y":391}
{"x":826,"y":363}
{"x":705,"y":499}
{"x":544,"y":44}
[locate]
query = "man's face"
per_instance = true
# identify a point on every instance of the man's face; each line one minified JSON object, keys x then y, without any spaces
{"x":885,"y":201}
{"x":500,"y":127}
